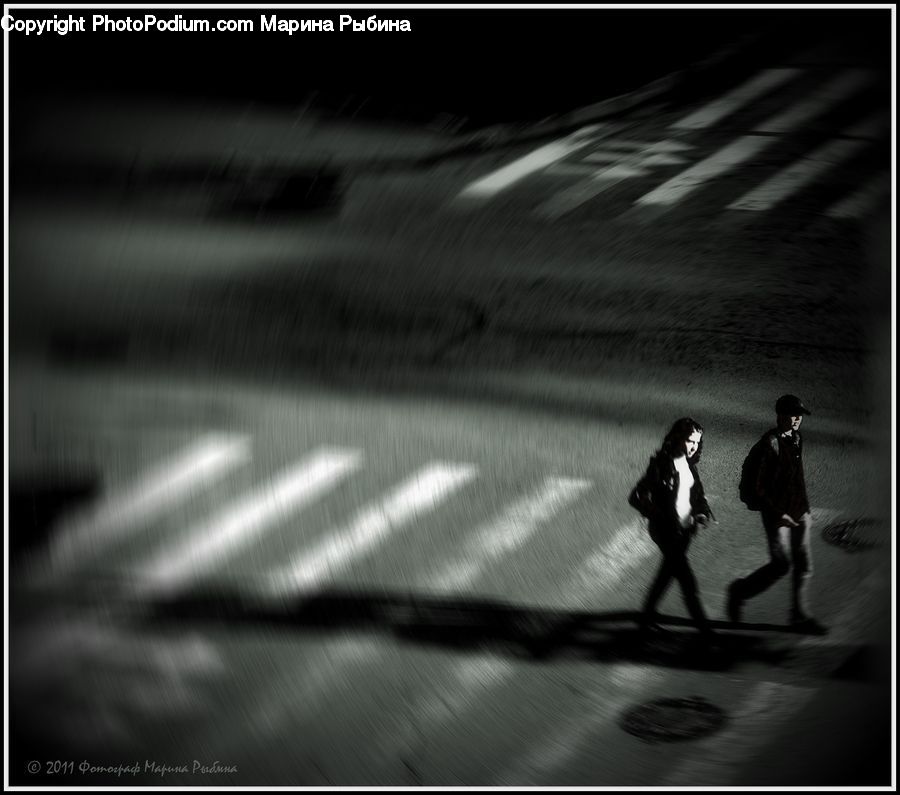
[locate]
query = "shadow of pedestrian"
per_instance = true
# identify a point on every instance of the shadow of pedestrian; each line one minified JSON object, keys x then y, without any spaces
{"x":466,"y":623}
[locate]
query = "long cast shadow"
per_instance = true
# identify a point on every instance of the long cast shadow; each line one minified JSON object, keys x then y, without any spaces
{"x":468,"y":623}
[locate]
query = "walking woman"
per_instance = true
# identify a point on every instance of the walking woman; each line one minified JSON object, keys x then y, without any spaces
{"x":670,"y":495}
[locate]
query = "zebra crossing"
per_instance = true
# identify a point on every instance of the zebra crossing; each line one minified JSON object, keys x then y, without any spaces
{"x":111,"y":524}
{"x":87,"y":537}
{"x":689,"y":159}
{"x":465,"y":686}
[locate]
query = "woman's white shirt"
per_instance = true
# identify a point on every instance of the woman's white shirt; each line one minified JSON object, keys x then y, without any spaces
{"x":683,"y":498}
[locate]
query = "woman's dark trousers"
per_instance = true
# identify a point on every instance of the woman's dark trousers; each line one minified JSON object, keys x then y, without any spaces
{"x":673,"y":543}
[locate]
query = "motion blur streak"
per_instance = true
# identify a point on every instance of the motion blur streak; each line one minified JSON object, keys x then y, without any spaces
{"x":209,"y":543}
{"x":423,"y":492}
{"x":508,"y":531}
{"x":147,"y":499}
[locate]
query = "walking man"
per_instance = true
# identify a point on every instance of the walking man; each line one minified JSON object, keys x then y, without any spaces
{"x":777,"y":489}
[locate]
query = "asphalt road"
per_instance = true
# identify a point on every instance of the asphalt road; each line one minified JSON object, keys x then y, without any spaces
{"x":427,"y":413}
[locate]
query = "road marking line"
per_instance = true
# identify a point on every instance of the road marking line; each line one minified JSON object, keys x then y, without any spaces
{"x":789,"y":180}
{"x":207,"y":544}
{"x":615,"y":560}
{"x":723,"y":106}
{"x":698,"y":175}
{"x":166,"y":485}
{"x":540,"y":158}
{"x":818,"y":101}
{"x":340,"y":547}
{"x":632,"y":165}
{"x":862,"y":201}
{"x":507,"y":532}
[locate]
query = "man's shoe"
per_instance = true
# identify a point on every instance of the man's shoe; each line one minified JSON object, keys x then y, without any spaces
{"x":808,"y":625}
{"x":734,"y":604}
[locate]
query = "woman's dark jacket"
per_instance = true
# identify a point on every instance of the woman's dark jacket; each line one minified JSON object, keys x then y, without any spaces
{"x":655,"y":494}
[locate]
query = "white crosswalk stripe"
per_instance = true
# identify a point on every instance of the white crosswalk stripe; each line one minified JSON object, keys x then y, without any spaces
{"x":534,"y":161}
{"x":635,"y":164}
{"x":120,"y":515}
{"x":821,"y":99}
{"x":800,"y":173}
{"x":620,"y":159}
{"x":721,"y":107}
{"x":507,"y":532}
{"x":211,"y":542}
{"x":728,"y":157}
{"x":341,"y":546}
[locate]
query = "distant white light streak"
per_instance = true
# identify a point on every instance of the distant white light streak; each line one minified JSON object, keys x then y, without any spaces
{"x":122,"y":513}
{"x":214,"y":540}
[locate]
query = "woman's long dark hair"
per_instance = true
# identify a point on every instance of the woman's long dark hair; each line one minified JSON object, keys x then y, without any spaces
{"x":673,"y":444}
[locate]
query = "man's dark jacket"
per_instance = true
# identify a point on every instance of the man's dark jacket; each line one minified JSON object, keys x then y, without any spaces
{"x":780,"y":483}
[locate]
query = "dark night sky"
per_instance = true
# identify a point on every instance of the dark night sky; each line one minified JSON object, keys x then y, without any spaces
{"x":507,"y":62}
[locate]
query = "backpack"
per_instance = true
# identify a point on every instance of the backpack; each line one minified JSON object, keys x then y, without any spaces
{"x":747,"y":488}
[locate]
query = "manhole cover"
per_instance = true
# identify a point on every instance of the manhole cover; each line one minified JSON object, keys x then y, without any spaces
{"x":673,"y":719}
{"x":857,"y":535}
